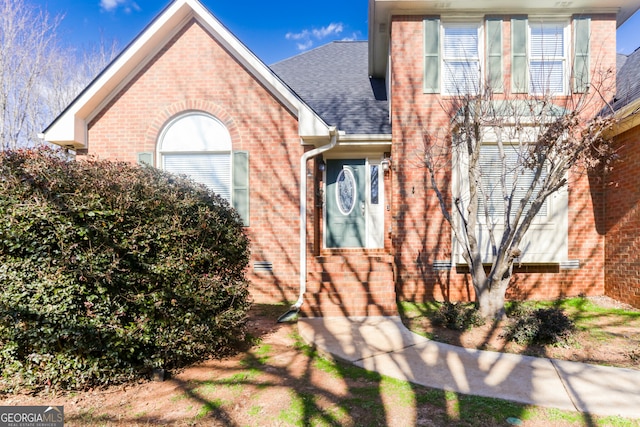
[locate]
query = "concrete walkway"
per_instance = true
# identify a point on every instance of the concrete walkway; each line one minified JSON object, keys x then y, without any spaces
{"x":384,"y":345}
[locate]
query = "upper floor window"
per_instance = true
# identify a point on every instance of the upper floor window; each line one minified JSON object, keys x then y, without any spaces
{"x":460,"y":58}
{"x":452,"y":57}
{"x":548,"y":58}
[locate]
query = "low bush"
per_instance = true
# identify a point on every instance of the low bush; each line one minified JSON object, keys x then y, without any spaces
{"x":539,"y":327}
{"x":109,"y":270}
{"x":458,"y":316}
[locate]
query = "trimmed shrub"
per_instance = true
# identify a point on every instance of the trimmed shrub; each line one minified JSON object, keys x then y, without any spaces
{"x":540,"y":327}
{"x":109,"y":270}
{"x":458,"y":316}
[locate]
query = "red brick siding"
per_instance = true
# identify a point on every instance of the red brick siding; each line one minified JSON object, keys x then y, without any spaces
{"x":193,"y":72}
{"x":622,"y":271}
{"x":420,"y":233}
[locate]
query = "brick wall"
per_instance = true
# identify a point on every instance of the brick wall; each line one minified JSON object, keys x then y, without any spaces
{"x":193,"y":72}
{"x":421,"y":235}
{"x":622,"y":261}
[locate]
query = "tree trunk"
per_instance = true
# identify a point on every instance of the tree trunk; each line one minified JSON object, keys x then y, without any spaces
{"x":490,"y":298}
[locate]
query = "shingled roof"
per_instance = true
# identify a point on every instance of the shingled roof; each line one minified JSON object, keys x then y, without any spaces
{"x":627,"y":80}
{"x":333,"y":80}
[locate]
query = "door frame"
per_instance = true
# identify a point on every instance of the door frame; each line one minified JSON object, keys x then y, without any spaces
{"x":374,"y":212}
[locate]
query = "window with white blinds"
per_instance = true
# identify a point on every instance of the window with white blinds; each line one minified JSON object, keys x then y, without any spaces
{"x":199,"y":146}
{"x":546,"y":240}
{"x":210,"y":169}
{"x":547,"y":58}
{"x":517,"y":180}
{"x":460,"y":58}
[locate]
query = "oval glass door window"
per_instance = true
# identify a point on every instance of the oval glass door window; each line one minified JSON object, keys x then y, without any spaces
{"x":346,"y":191}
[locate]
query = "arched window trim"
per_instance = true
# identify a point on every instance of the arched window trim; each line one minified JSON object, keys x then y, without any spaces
{"x":235,"y":168}
{"x":185,"y":116}
{"x":197,"y":144}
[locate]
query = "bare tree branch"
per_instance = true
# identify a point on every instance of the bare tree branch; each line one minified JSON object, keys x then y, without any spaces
{"x":38,"y":77}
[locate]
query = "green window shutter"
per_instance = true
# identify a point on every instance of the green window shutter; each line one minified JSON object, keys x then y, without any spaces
{"x":240,"y":188}
{"x":581,"y":33}
{"x":432,"y":55}
{"x":494,"y":54}
{"x":519,"y":59}
{"x":145,"y":159}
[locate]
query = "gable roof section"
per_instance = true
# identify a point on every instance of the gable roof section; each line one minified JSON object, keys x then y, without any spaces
{"x":626,"y":103}
{"x":628,"y":81}
{"x":70,"y":127}
{"x":334,"y":81}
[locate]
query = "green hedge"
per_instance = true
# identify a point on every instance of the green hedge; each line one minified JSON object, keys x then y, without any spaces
{"x":109,"y":270}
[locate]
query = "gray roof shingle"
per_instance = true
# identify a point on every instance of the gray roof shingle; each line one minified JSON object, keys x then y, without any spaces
{"x":627,"y":80}
{"x":333,"y":80}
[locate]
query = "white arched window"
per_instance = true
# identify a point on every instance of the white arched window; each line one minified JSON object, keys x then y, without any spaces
{"x":199,"y":145}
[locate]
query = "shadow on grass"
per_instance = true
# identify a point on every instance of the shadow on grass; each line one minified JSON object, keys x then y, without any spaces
{"x":281,"y":381}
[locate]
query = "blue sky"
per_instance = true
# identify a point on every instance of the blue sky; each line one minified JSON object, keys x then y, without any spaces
{"x":273,"y":30}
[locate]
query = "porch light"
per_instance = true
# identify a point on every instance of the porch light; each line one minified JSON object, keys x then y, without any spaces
{"x":386,"y":164}
{"x":321,"y":165}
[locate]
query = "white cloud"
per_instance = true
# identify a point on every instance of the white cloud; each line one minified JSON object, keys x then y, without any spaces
{"x":331,"y":29}
{"x":128,"y":6}
{"x":110,"y":5}
{"x":305,"y":37}
{"x":351,"y":38}
{"x":304,"y":46}
{"x":297,"y":36}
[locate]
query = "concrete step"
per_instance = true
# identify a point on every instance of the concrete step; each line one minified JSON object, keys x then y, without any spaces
{"x":332,"y":304}
{"x":351,"y":276}
{"x":352,"y":287}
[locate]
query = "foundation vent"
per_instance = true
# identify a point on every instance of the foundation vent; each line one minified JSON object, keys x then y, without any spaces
{"x":263,"y":267}
{"x":442,"y":265}
{"x":570,"y":264}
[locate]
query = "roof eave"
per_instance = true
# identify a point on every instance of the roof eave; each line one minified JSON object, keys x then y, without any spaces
{"x":381,"y":11}
{"x":628,"y":117}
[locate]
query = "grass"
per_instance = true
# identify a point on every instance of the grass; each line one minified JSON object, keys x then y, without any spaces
{"x":595,"y":326}
{"x":209,"y":407}
{"x":255,"y":410}
{"x":467,"y":409}
{"x":581,"y":310}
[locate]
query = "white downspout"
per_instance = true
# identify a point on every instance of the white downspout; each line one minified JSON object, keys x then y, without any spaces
{"x":303,"y":220}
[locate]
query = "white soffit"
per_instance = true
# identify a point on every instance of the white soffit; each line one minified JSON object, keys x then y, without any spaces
{"x":380,"y":12}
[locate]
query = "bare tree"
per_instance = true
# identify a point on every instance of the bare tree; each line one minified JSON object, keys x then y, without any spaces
{"x":507,"y":154}
{"x":38,"y":76}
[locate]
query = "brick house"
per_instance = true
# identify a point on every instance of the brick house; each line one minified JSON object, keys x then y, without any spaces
{"x":317,"y":152}
{"x":621,"y":224}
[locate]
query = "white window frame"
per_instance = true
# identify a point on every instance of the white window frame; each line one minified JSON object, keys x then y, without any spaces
{"x":514,"y":150}
{"x":563,"y":58}
{"x":200,"y":135}
{"x":473,"y":87}
{"x":546,"y":241}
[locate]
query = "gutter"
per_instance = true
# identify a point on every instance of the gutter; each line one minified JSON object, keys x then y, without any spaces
{"x":295,"y":308}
